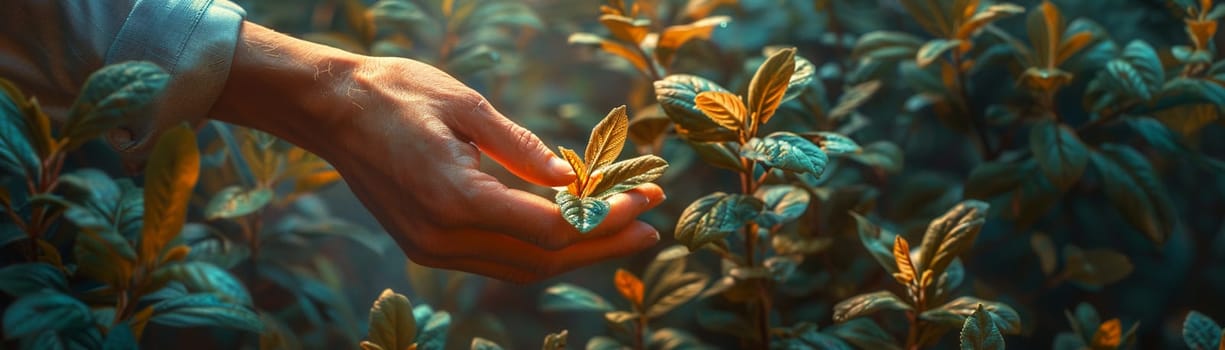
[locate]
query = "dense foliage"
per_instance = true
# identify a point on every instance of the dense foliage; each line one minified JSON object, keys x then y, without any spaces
{"x":841,"y":174}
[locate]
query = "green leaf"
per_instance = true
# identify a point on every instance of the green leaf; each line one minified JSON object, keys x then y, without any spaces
{"x":120,"y":337}
{"x":951,"y":234}
{"x":202,"y":277}
{"x":954,"y":313}
{"x":1200,"y":332}
{"x":769,"y":85}
{"x":783,"y":204}
{"x":434,"y":333}
{"x":555,"y":341}
{"x":398,"y":15}
{"x":864,"y":333}
{"x":980,"y":333}
{"x":569,"y":297}
{"x":1157,"y":134}
{"x":713,"y":217}
{"x":170,"y":178}
{"x":114,"y":95}
{"x":720,"y":154}
{"x":21,"y":279}
{"x":1085,"y":321}
{"x":879,"y":243}
{"x":867,"y":304}
{"x":44,"y":311}
{"x":1132,"y":186}
{"x":234,"y":201}
{"x":1123,"y":77}
{"x":991,"y":179}
{"x":1146,"y":62}
{"x":672,"y":292}
{"x":853,"y":98}
{"x":673,"y":339}
{"x":886,"y":46}
{"x":833,"y":143}
{"x":604,"y":343}
{"x":881,"y":154}
{"x":932,"y":50}
{"x":392,"y":325}
{"x":582,"y":213}
{"x":787,"y":151}
{"x":1095,"y":268}
{"x":1059,"y":152}
{"x":804,"y":75}
{"x":676,"y":94}
{"x":17,"y":155}
{"x":205,"y":309}
{"x":479,"y":343}
{"x":627,"y":174}
{"x":505,"y":13}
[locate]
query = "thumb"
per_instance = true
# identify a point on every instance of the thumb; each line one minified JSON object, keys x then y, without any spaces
{"x":516,"y":148}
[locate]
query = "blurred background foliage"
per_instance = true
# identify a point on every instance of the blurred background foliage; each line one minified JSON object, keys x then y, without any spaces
{"x":1091,"y":129}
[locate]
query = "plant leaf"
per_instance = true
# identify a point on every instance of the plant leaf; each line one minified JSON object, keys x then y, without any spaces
{"x":624,"y":51}
{"x":1095,"y":268}
{"x":676,"y":95}
{"x":783,"y":204}
{"x":479,"y":343}
{"x":234,"y":201}
{"x":21,"y":279}
{"x":44,"y":311}
{"x":886,"y":46}
{"x":769,"y":86}
{"x":713,"y":217}
{"x":205,"y":309}
{"x":170,"y":178}
{"x":787,"y":151}
{"x":672,"y":292}
{"x":951,"y":234}
{"x":1200,"y":332}
{"x":673,"y":37}
{"x":724,"y":108}
{"x":980,"y":333}
{"x":955,"y":313}
{"x":434,"y":333}
{"x":625,"y":28}
{"x":202,"y":277}
{"x":555,"y":341}
{"x":112,"y":96}
{"x":901,"y":256}
{"x":1132,"y":186}
{"x":833,"y":143}
{"x":569,"y":297}
{"x":1045,"y":250}
{"x":1059,"y":152}
{"x":867,"y":304}
{"x":627,"y":174}
{"x":17,"y":154}
{"x":629,"y":286}
{"x":853,"y":98}
{"x":392,"y":325}
{"x":585,"y":214}
{"x":879,"y":243}
{"x":932,"y":50}
{"x":1108,"y":336}
{"x":607,"y":139}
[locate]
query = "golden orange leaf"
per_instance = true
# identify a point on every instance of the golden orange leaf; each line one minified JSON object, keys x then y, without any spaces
{"x":724,"y":108}
{"x":170,"y":178}
{"x":629,"y":286}
{"x":673,"y":37}
{"x":580,"y":170}
{"x":626,"y":28}
{"x":607,"y":139}
{"x":1109,"y":335}
{"x":1071,"y":45}
{"x":624,"y":51}
{"x":1201,"y":32}
{"x":901,"y":256}
{"x":769,"y":85}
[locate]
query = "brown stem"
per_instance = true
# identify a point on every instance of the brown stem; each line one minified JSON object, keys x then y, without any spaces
{"x":639,"y":329}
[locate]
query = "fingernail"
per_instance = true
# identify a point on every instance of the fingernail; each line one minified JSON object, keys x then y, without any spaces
{"x":654,"y":236}
{"x":561,"y":166}
{"x":121,"y":138}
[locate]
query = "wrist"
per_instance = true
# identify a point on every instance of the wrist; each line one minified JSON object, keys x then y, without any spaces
{"x":287,"y":87}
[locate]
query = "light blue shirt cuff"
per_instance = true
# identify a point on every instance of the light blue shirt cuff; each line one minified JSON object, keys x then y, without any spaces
{"x":194,"y":40}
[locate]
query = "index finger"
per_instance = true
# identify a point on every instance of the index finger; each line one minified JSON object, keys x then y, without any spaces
{"x":536,"y":220}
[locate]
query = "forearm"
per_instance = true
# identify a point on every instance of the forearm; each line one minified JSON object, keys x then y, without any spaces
{"x":294,"y":89}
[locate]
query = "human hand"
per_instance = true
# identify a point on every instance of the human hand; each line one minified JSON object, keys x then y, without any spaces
{"x":407,"y":138}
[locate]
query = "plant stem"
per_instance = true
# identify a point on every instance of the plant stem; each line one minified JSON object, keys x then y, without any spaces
{"x":977,"y":128}
{"x":639,"y":329}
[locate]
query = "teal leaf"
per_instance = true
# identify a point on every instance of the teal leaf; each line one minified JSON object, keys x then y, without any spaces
{"x":569,"y":297}
{"x":205,"y":309}
{"x":398,"y":15}
{"x":886,"y":46}
{"x":114,"y":95}
{"x":980,"y":333}
{"x":17,"y":155}
{"x":392,"y":323}
{"x":991,"y":179}
{"x":1133,"y":187}
{"x":45,"y":311}
{"x":582,"y":213}
{"x":882,"y":154}
{"x":804,"y":75}
{"x":234,"y":201}
{"x":479,"y":343}
{"x":787,"y":151}
{"x":202,"y":277}
{"x":1157,"y":134}
{"x":673,"y":339}
{"x":714,"y":216}
{"x":783,"y":204}
{"x":504,"y":13}
{"x":867,"y":304}
{"x":864,"y":333}
{"x":833,"y":143}
{"x":473,"y":60}
{"x":879,"y":243}
{"x":1085,"y":321}
{"x":1146,"y":62}
{"x":21,"y":279}
{"x":1122,"y":77}
{"x":433,"y":334}
{"x":932,"y":50}
{"x":1200,"y":332}
{"x":120,"y":337}
{"x":676,"y":94}
{"x":954,"y":314}
{"x":1059,"y":152}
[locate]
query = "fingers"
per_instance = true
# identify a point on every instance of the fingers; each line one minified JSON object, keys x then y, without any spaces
{"x":509,"y":259}
{"x":538,"y":221}
{"x":516,"y":148}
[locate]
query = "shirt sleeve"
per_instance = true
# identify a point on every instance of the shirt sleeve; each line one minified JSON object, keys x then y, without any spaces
{"x":49,"y":48}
